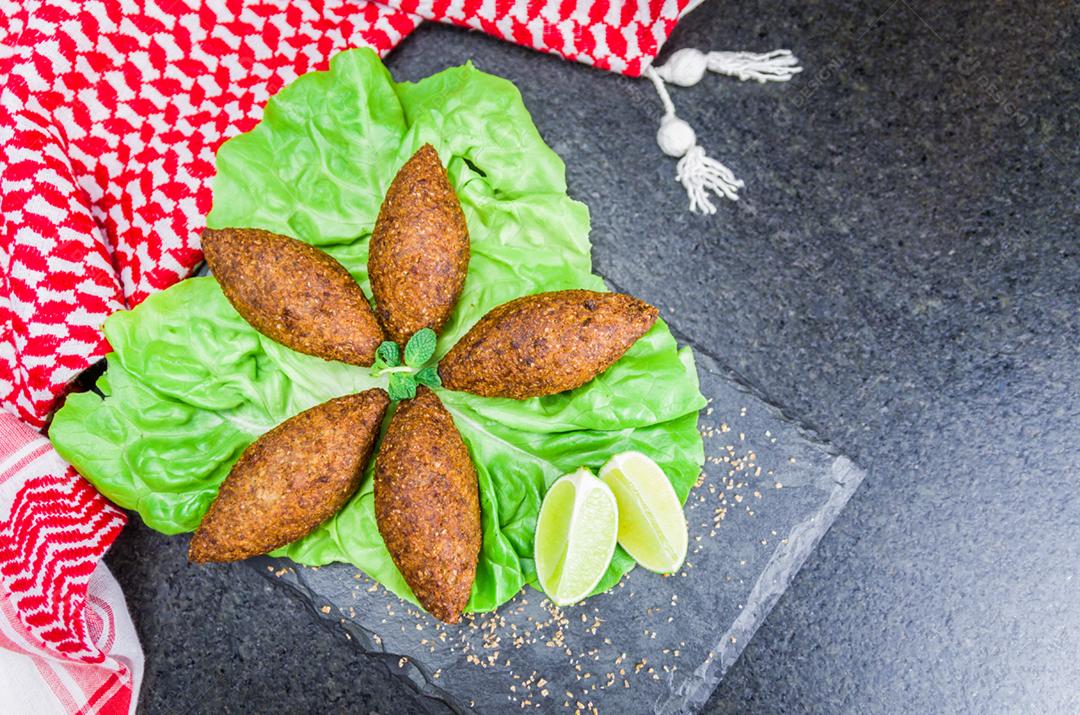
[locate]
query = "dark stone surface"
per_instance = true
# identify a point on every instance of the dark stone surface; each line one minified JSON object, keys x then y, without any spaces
{"x":779,"y":490}
{"x":902,"y":274}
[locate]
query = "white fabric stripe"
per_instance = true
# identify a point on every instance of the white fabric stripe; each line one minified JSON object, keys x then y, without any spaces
{"x":22,"y":689}
{"x":126,"y":652}
{"x":104,"y":611}
{"x":18,"y":454}
{"x":74,"y":690}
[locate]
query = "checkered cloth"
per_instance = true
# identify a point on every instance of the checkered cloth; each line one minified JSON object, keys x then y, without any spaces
{"x":110,"y":116}
{"x":67,"y":644}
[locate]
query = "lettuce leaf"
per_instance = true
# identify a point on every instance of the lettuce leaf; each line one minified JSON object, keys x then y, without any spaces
{"x":190,"y":384}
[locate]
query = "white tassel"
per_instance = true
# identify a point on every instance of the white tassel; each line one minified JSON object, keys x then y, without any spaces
{"x":775,"y":66}
{"x":699,"y":174}
{"x":686,"y":67}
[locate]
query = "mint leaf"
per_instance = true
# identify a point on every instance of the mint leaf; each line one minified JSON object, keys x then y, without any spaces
{"x":402,"y":386}
{"x":420,"y":348}
{"x":388,"y":354}
{"x":429,"y":376}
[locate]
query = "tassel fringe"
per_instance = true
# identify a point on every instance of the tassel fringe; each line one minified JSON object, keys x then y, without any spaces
{"x":775,"y":66}
{"x":699,"y":174}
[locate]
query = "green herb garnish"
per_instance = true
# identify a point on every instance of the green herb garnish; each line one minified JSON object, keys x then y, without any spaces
{"x":405,"y":378}
{"x":429,"y":376}
{"x":402,"y":386}
{"x":388,"y":354}
{"x":420,"y":348}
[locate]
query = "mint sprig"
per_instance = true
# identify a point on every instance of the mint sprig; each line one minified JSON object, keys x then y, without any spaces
{"x":388,"y":354}
{"x":402,"y":386}
{"x":420,"y":348}
{"x":404,"y":378}
{"x":429,"y":376}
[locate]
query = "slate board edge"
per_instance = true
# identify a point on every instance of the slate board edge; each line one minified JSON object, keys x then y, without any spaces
{"x":773,"y":581}
{"x":785,"y":562}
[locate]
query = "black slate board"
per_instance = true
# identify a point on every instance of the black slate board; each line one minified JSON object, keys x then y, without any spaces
{"x":768,"y":493}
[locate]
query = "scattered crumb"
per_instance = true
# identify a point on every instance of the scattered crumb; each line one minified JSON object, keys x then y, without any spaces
{"x":579,"y":637}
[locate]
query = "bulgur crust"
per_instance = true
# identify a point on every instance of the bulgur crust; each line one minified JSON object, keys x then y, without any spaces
{"x":293,"y":293}
{"x":427,"y":505}
{"x":419,"y":251}
{"x":545,"y":343}
{"x":291,"y":479}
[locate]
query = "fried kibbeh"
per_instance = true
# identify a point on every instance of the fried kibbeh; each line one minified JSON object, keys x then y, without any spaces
{"x":419,"y":250}
{"x":291,"y":479}
{"x":545,"y":343}
{"x":293,"y":293}
{"x":427,"y":505}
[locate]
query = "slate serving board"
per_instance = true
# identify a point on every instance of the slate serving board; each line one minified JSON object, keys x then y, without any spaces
{"x":768,"y":493}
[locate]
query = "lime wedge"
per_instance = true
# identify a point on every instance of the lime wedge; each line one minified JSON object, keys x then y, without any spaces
{"x":575,"y":536}
{"x":652,"y":526}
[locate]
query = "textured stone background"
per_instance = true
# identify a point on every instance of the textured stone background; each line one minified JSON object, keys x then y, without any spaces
{"x":903,"y":274}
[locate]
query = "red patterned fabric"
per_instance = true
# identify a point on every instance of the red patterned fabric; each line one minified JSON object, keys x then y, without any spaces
{"x":65,"y":635}
{"x":618,"y":35}
{"x":110,"y":115}
{"x":109,"y":120}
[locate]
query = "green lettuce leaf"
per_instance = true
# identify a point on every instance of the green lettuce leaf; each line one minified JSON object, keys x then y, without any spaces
{"x":190,"y":384}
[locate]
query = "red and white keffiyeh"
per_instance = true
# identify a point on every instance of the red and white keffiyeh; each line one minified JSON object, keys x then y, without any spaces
{"x":110,"y":114}
{"x":66,"y":640}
